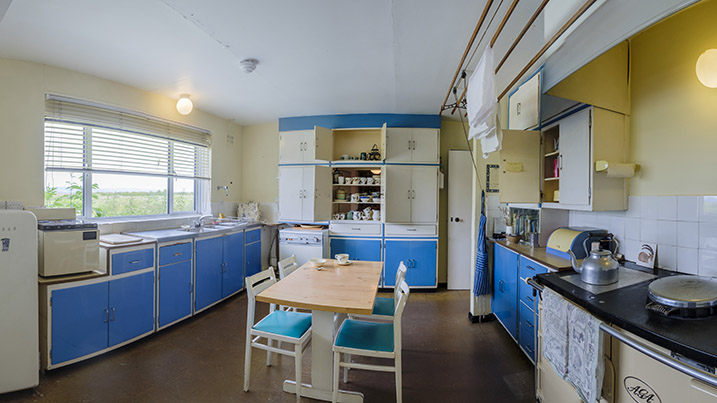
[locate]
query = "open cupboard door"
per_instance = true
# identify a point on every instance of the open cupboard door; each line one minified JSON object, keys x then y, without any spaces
{"x":520,"y":167}
{"x":323,"y":144}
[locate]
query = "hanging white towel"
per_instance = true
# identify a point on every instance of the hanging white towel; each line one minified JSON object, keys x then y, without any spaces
{"x":481,"y":97}
{"x":555,"y":331}
{"x":585,"y":351}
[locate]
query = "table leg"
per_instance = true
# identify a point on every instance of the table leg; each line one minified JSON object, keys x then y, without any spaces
{"x":323,"y":328}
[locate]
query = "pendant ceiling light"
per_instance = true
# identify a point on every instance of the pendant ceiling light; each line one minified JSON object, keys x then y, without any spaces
{"x":706,"y":68}
{"x":184,"y":105}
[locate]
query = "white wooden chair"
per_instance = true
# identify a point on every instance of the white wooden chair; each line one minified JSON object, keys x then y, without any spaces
{"x":383,"y":307}
{"x":284,"y":326}
{"x":287,"y":266}
{"x":372,"y":339}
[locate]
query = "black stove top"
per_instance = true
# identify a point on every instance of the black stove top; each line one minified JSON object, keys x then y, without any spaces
{"x":64,"y":225}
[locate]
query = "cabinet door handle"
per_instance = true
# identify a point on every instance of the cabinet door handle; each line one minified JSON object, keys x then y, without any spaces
{"x":190,"y":287}
{"x":414,"y":194}
{"x":409,"y":194}
{"x":409,"y":144}
{"x":529,"y":298}
{"x":177,"y":253}
{"x":113,"y":314}
{"x":410,"y":229}
{"x":560,"y":162}
{"x":355,"y":229}
{"x":107,"y":315}
{"x":527,"y":322}
{"x":135,"y":261}
{"x":530,"y":350}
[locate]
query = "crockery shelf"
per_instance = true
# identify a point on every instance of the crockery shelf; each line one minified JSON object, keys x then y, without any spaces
{"x":356,"y":184}
{"x":350,"y":202}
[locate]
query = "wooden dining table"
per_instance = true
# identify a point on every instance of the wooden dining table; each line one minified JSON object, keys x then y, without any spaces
{"x":330,"y":292}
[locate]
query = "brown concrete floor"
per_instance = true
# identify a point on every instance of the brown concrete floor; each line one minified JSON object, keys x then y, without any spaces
{"x":445,"y":359}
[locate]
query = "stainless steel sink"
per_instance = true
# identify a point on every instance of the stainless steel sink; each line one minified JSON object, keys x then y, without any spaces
{"x":626,"y":277}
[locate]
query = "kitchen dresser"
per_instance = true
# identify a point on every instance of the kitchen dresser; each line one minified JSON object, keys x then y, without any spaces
{"x":142,"y":288}
{"x":398,"y":176}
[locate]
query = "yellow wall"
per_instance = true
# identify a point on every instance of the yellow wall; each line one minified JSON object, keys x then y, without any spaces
{"x":22,"y":106}
{"x":260,"y":163}
{"x":674,"y":117}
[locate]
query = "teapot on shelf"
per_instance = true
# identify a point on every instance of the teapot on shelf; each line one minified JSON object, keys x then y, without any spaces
{"x":600,"y":266}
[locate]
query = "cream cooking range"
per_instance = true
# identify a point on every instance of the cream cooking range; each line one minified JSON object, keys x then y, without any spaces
{"x":67,"y":247}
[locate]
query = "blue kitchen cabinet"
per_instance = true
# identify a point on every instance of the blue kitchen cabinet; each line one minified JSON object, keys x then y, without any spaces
{"x":252,"y":260}
{"x":175,"y":292}
{"x":233,"y":255}
{"x":505,"y":288}
{"x":209,"y":272}
{"x":527,"y":305}
{"x":357,"y":249}
{"x":90,"y":318}
{"x":79,"y":321}
{"x":419,"y":256}
{"x":252,"y":252}
{"x":131,"y":305}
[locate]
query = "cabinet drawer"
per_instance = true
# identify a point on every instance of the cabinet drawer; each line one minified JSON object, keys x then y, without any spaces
{"x":410,"y":230}
{"x":527,"y":317}
{"x":134,"y":260}
{"x":529,"y":268}
{"x":355,"y":229}
{"x":175,"y":253}
{"x":527,"y":340}
{"x":252,"y":236}
{"x":525,"y":294}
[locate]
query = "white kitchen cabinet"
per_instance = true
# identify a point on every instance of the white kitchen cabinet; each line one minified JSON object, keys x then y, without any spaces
{"x":524,"y":105}
{"x":304,"y":193}
{"x":574,"y":155}
{"x":305,"y":146}
{"x":520,"y":167}
{"x":411,"y":194}
{"x":412,"y":145}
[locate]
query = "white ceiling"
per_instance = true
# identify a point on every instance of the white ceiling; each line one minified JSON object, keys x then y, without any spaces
{"x":315,"y":56}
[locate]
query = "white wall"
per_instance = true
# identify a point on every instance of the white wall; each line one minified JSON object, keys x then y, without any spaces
{"x":683,"y":227}
{"x":22,"y":105}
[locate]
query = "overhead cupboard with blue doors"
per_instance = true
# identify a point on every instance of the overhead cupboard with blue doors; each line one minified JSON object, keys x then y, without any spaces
{"x":373,"y":179}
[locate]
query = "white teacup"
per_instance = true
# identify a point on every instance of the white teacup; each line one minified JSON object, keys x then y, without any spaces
{"x":355,"y":180}
{"x":342,"y":258}
{"x":369,"y":181}
{"x":362,"y":181}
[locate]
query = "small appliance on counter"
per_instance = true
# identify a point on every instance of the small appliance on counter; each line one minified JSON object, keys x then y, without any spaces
{"x":573,"y":239}
{"x":66,"y":245}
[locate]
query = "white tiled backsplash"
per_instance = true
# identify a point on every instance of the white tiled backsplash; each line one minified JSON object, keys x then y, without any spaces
{"x":684,"y":228}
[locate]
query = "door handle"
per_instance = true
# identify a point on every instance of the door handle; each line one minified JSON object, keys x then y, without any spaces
{"x":113,"y":314}
{"x":107,"y":315}
{"x":190,"y":287}
{"x":409,"y":144}
{"x":457,"y":219}
{"x":409,"y":194}
{"x":177,"y":253}
{"x":414,"y":194}
{"x":135,"y":261}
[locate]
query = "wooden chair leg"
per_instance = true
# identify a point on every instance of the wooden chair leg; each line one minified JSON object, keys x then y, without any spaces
{"x":399,"y":383}
{"x":335,"y":392}
{"x":247,"y":363}
{"x":269,"y":342}
{"x":297,"y":365}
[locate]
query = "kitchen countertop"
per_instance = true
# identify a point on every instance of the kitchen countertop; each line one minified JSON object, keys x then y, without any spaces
{"x":174,"y":234}
{"x":625,"y":307}
{"x":540,"y":255}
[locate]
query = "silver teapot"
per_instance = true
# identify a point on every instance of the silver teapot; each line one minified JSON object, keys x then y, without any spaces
{"x":600,"y":267}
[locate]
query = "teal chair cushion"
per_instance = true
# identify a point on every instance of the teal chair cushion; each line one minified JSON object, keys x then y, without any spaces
{"x":364,"y":335}
{"x":383,"y":306}
{"x":290,"y":324}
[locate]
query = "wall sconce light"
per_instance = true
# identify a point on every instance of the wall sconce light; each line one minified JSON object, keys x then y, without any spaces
{"x":184,"y":104}
{"x":706,"y":68}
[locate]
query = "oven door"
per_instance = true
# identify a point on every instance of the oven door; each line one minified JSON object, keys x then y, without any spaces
{"x":69,"y":251}
{"x":643,"y":379}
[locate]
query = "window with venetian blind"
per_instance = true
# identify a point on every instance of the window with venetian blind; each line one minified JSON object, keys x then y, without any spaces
{"x":105,"y":161}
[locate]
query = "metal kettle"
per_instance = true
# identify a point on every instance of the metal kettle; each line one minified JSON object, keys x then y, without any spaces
{"x":600,"y":267}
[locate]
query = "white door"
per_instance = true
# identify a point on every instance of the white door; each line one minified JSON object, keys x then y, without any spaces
{"x":424,"y":194}
{"x":425,"y":146}
{"x":291,"y":146}
{"x":575,"y":158}
{"x":321,"y":145}
{"x":398,"y":144}
{"x":290,"y":193}
{"x":322,"y":197}
{"x":460,"y":190}
{"x":308,"y":193}
{"x":398,"y":193}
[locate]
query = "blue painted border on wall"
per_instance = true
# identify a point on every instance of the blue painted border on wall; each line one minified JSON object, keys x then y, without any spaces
{"x":359,"y":120}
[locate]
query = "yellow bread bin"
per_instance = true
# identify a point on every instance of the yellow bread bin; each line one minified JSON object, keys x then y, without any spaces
{"x":562,"y":239}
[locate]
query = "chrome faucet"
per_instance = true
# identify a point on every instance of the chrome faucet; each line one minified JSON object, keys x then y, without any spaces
{"x":200,"y":221}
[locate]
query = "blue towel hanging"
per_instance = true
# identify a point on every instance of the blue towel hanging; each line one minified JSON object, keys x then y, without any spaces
{"x":481,"y":283}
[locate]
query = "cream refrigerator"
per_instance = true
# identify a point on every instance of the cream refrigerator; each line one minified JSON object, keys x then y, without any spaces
{"x":19,"y":349}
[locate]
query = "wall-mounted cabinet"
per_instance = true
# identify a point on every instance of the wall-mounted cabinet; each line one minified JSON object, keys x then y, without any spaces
{"x":524,"y":104}
{"x":520,"y":167}
{"x":358,"y":194}
{"x":305,"y":146}
{"x":305,"y":193}
{"x":411,"y":194}
{"x":350,"y":144}
{"x":412,"y":145}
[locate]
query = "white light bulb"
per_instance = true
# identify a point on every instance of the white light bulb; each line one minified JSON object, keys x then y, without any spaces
{"x":706,"y":68}
{"x":184,"y":105}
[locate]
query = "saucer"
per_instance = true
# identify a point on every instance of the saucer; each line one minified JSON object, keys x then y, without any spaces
{"x":344,"y":264}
